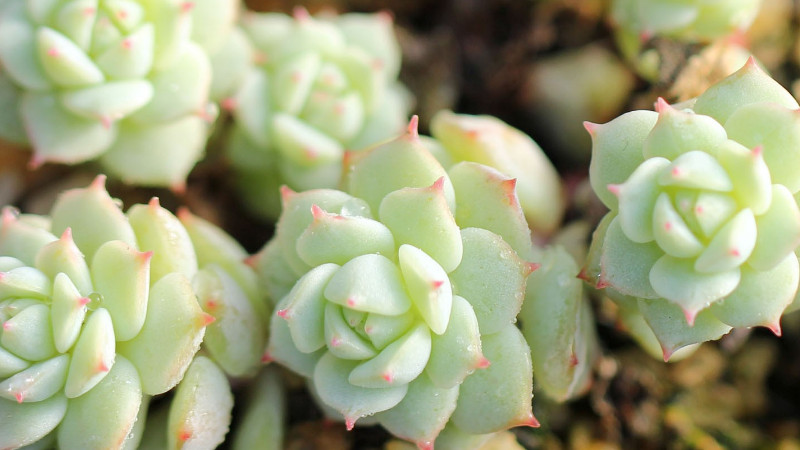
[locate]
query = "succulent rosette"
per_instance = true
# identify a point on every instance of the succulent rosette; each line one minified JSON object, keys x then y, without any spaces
{"x":398,"y":298}
{"x":121,"y":81}
{"x":98,"y":313}
{"x":703,"y":222}
{"x":320,"y":86}
{"x":636,"y":22}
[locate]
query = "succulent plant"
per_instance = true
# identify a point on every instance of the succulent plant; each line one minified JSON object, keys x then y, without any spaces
{"x":320,"y":86}
{"x":636,"y":22}
{"x":126,"y":82}
{"x":490,"y":141}
{"x":703,"y":222}
{"x":93,"y":321}
{"x":398,"y":297}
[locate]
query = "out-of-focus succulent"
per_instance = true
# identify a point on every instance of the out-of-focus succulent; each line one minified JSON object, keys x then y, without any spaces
{"x":703,"y":222}
{"x":93,"y":321}
{"x":490,"y":141}
{"x":638,"y":22}
{"x":263,"y":417}
{"x":397,"y":298}
{"x":321,"y":86}
{"x":123,"y":81}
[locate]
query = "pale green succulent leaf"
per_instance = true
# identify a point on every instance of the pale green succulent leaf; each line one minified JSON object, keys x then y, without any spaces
{"x":160,"y":232}
{"x":63,"y":256}
{"x":262,"y":420}
{"x":625,"y":265}
{"x":677,"y":132}
{"x":499,"y":396}
{"x":781,"y":219}
{"x":212,"y":21}
{"x":333,"y":238}
{"x":8,"y":263}
{"x":275,"y":277}
{"x":353,"y":402}
{"x":160,"y":154}
{"x":341,"y":339}
{"x":671,"y":329}
{"x":750,"y":84}
{"x":28,"y":334}
{"x":428,"y":286}
{"x":302,"y":144}
{"x":696,"y":170}
{"x":173,"y":32}
{"x":678,"y":281}
{"x":171,"y":335}
{"x":637,"y":197}
{"x":108,"y":101}
{"x":730,"y":246}
{"x":422,"y":413}
{"x":18,"y":43}
{"x":25,"y":282}
{"x":491,"y":277}
{"x":65,"y":63}
{"x":200,"y":414}
{"x":304,"y":308}
{"x":338,"y":116}
{"x":399,"y":363}
{"x":121,"y":275}
{"x":20,"y":240}
{"x":93,"y":356}
{"x":776,"y":130}
{"x":251,"y":114}
{"x":487,"y":199}
{"x":230,"y":63}
{"x":388,"y":119}
{"x":420,"y":217}
{"x":457,"y":352}
{"x":293,"y":81}
{"x":93,"y":216}
{"x":671,"y":232}
{"x":25,"y":423}
{"x":453,"y":438}
{"x":367,"y":77}
{"x":282,"y":349}
{"x":635,"y":325}
{"x":94,"y":422}
{"x":383,"y":330}
{"x":11,"y":127}
{"x":710,"y":210}
{"x":126,"y":14}
{"x":753,"y":186}
{"x":131,"y":56}
{"x":370,"y":283}
{"x":761,"y":297}
{"x":76,"y":20}
{"x":267,"y":30}
{"x":318,"y":176}
{"x":10,"y":363}
{"x":617,"y":148}
{"x":137,"y":434}
{"x":68,"y":311}
{"x":59,"y":135}
{"x":37,"y":382}
{"x":373,"y":33}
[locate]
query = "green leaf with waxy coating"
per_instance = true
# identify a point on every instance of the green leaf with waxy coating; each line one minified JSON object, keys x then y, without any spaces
{"x":635,"y":324}
{"x":160,"y":232}
{"x":93,"y":356}
{"x":10,"y":364}
{"x":752,"y":187}
{"x":94,"y":217}
{"x":626,"y":265}
{"x":677,"y":132}
{"x":671,"y":232}
{"x":25,"y":282}
{"x":172,"y":332}
{"x":341,"y":339}
{"x":370,"y":283}
{"x":63,"y":256}
{"x":671,"y":329}
{"x":251,"y":115}
{"x":25,"y":423}
{"x":21,"y":240}
{"x":383,"y":330}
{"x":64,"y":62}
{"x":617,"y":151}
{"x":94,"y":422}
{"x":28,"y":334}
{"x":121,"y":275}
{"x":281,"y":348}
{"x":399,"y":363}
{"x":200,"y":413}
{"x":428,"y":286}
{"x":499,"y":396}
{"x":303,"y":145}
{"x":696,"y":170}
{"x":781,"y":219}
{"x":263,"y":417}
{"x":68,"y":311}
{"x":131,"y":56}
{"x":457,"y":352}
{"x":491,"y":277}
{"x":730,"y":246}
{"x":17,"y":43}
{"x":109,"y":101}
{"x":353,"y":402}
{"x":421,"y":217}
{"x":38,"y":382}
{"x":304,"y":308}
{"x":637,"y":197}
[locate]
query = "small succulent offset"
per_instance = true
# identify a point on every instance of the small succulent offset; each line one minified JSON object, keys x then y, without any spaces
{"x":398,"y":297}
{"x":93,"y":321}
{"x":126,"y":82}
{"x":636,"y":22}
{"x":321,"y":85}
{"x":703,"y":222}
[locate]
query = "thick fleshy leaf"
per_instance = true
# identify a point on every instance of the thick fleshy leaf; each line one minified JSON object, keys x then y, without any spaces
{"x":230,"y":63}
{"x":200,"y":413}
{"x":752,"y":185}
{"x":25,"y":423}
{"x":671,"y":329}
{"x":353,"y":402}
{"x":10,"y":364}
{"x":731,"y":246}
{"x":341,"y":339}
{"x":293,"y":81}
{"x":11,"y":127}
{"x":93,"y":422}
{"x":637,"y":197}
{"x":491,"y":277}
{"x":428,"y":286}
{"x":94,"y":217}
{"x":457,"y":352}
{"x":625,"y":265}
{"x":671,"y":232}
{"x":761,"y":296}
{"x":499,"y":396}
{"x":28,"y":334}
{"x":131,"y":56}
{"x":302,"y":144}
{"x":399,"y":363}
{"x":677,"y":281}
{"x":109,"y":101}
{"x":338,"y":116}
{"x":93,"y":356}
{"x":263,"y":415}
{"x":38,"y":382}
{"x":420,"y":217}
{"x":21,"y":240}
{"x":121,"y":276}
{"x":333,"y":238}
{"x":778,"y":230}
{"x":383,"y":330}
{"x":696,"y":170}
{"x":160,"y":232}
{"x":68,"y":311}
{"x":63,"y":256}
{"x":66,"y":64}
{"x":487,"y":199}
{"x":25,"y":282}
{"x":281,"y":348}
{"x":252,"y":112}
{"x":304,"y":308}
{"x":677,"y":132}
{"x":75,"y":19}
{"x":708,"y":210}
{"x":17,"y":45}
{"x":370,"y":283}
{"x":172,"y":332}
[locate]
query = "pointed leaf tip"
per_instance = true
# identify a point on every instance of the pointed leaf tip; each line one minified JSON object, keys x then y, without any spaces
{"x":758,"y":151}
{"x":483,"y":363}
{"x":301,"y":14}
{"x":349,"y":423}
{"x":530,"y":422}
{"x":286,"y":194}
{"x":187,"y":7}
{"x":317,"y":213}
{"x":775,"y":328}
{"x":385,"y":15}
{"x":99,"y":182}
{"x":267,"y":358}
{"x":413,"y":127}
{"x":590,"y":127}
{"x":66,"y":236}
{"x":531,"y":267}
{"x":35,"y":162}
{"x":690,"y":316}
{"x":154,"y":203}
{"x":20,"y":397}
{"x":252,"y":260}
{"x":178,"y":188}
{"x":425,"y":445}
{"x":283,"y":313}
{"x":614,"y":189}
{"x":206,"y":319}
{"x":662,"y":105}
{"x":229,"y":104}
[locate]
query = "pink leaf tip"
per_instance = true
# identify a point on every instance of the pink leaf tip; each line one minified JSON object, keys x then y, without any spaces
{"x":252,"y":260}
{"x":66,"y":235}
{"x":83,"y":301}
{"x":662,"y":105}
{"x":301,"y":14}
{"x":482,"y":363}
{"x":286,"y":194}
{"x":19,"y":396}
{"x":591,"y":127}
{"x":437,"y":284}
{"x":413,"y":127}
{"x":775,"y":328}
{"x":351,"y":302}
{"x":602,"y":283}
{"x":317,"y":213}
{"x":154,"y":203}
{"x":690,"y":315}
{"x":7,"y":325}
{"x":184,"y":435}
{"x":425,"y":445}
{"x":229,"y":104}
{"x":573,"y":360}
{"x":99,"y":182}
{"x":102,"y":367}
{"x":531,"y":267}
{"x":349,"y":423}
{"x":758,"y":151}
{"x":614,"y":189}
{"x":187,"y":7}
{"x":266,"y":358}
{"x":531,"y":421}
{"x":207,"y":319}
{"x":388,"y":377}
{"x":438,"y":185}
{"x":335,"y":341}
{"x":283,"y":313}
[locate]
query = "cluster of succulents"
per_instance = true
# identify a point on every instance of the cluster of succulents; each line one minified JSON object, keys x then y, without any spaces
{"x":703,"y":223}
